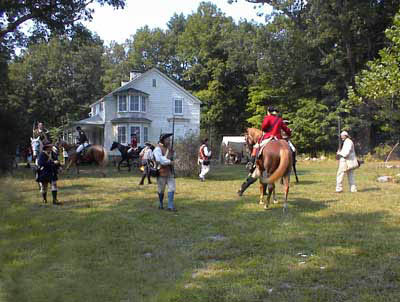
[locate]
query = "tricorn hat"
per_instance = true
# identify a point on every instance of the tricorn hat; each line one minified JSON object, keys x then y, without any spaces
{"x":147,"y":144}
{"x":273,"y":110}
{"x":344,"y":133}
{"x":164,"y":136}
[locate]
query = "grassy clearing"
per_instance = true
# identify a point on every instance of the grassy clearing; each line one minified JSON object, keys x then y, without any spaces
{"x":109,"y":242}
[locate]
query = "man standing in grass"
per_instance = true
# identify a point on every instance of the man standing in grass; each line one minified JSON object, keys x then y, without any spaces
{"x":204,"y":159}
{"x":163,"y":155}
{"x":47,"y":173}
{"x":346,"y":156}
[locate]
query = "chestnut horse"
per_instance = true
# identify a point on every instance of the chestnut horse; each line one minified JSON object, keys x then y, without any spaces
{"x":94,"y":153}
{"x":274,"y":163}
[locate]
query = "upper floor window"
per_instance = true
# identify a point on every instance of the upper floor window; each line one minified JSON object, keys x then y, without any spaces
{"x":101,"y":108}
{"x":122,"y":103}
{"x":143,"y":103}
{"x":154,"y":83}
{"x":178,"y":106}
{"x":134,"y":104}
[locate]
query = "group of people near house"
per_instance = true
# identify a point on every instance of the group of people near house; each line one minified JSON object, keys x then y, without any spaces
{"x":162,"y":154}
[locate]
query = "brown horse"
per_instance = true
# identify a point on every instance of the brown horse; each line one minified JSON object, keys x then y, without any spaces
{"x":94,"y":153}
{"x":274,"y":163}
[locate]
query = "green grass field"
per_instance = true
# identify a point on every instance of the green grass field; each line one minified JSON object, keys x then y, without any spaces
{"x":109,"y":242}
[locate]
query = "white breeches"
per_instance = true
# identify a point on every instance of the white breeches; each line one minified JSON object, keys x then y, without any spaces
{"x":204,"y":170}
{"x":340,"y":176}
{"x":80,"y":147}
{"x":163,"y":181}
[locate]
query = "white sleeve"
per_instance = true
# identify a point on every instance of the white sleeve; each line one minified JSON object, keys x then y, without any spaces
{"x":346,"y":148}
{"x":161,"y":158}
{"x":206,"y":151}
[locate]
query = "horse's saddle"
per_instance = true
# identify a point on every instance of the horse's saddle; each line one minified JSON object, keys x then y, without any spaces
{"x":263,"y":144}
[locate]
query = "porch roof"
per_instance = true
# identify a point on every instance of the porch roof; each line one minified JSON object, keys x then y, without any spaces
{"x":131,"y":120}
{"x":93,"y":120}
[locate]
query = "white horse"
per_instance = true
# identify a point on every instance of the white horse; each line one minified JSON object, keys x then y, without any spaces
{"x":37,"y":147}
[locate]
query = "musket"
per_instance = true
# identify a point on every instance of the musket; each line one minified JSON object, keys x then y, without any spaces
{"x":339,"y":139}
{"x":172,"y":144}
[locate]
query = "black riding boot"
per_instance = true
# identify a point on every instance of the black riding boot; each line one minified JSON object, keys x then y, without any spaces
{"x":251,"y":165}
{"x":44,"y":195}
{"x":55,"y":201}
{"x":249,"y":181}
{"x":161,"y":198}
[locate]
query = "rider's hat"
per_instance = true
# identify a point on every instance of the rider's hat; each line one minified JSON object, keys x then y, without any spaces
{"x":147,"y":144}
{"x":78,"y":128}
{"x":273,"y":110}
{"x":164,"y":136}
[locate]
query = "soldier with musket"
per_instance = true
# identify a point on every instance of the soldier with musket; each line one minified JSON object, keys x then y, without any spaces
{"x":47,"y":172}
{"x":163,"y":154}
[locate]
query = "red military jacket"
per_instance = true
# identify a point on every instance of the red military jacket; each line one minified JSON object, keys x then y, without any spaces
{"x":134,"y":143}
{"x":272,"y":126}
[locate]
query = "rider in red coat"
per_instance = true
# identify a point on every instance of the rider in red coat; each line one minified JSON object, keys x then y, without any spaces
{"x":272,"y":127}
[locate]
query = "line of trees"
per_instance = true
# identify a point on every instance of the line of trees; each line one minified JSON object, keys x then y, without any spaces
{"x":312,"y":59}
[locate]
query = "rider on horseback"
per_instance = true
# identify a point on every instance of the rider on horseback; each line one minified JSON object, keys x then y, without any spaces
{"x":41,"y":133}
{"x":133,"y":143}
{"x":272,"y":127}
{"x":83,"y":142}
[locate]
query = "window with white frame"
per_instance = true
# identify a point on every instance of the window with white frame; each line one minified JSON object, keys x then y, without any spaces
{"x":143,"y":103}
{"x":134,"y":103}
{"x":154,"y":83}
{"x":122,"y":103}
{"x":145,"y":134}
{"x":178,"y":106}
{"x":136,"y":130}
{"x":121,"y":134}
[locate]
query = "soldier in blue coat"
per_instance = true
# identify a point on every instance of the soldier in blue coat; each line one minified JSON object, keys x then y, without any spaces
{"x":47,"y":172}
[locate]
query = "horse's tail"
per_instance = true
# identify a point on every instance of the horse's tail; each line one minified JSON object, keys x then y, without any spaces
{"x":104,"y":160}
{"x":284,"y":165}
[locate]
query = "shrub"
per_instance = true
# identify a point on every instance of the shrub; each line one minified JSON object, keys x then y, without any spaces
{"x":186,"y":151}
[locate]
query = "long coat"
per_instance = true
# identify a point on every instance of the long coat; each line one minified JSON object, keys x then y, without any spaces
{"x":47,"y":169}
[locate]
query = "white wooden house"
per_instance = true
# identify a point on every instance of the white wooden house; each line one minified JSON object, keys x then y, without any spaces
{"x":146,"y":106}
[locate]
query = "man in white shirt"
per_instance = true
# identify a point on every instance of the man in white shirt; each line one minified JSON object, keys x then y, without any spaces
{"x":347,"y":153}
{"x":204,"y":159}
{"x":164,"y":159}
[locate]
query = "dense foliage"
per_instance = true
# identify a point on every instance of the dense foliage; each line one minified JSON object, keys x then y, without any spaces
{"x":307,"y":59}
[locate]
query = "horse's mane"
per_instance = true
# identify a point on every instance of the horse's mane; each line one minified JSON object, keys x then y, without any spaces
{"x":254,"y":133}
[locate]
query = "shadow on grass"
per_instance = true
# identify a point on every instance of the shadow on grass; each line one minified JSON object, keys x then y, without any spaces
{"x":211,"y":250}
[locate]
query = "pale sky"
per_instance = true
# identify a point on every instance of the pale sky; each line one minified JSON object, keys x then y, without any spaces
{"x":119,"y":25}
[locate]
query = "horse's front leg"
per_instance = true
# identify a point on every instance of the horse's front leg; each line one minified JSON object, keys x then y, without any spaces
{"x":119,"y":164}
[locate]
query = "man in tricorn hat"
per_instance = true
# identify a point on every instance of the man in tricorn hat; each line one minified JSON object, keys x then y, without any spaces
{"x":204,"y":159}
{"x":47,"y":172}
{"x":164,"y":159}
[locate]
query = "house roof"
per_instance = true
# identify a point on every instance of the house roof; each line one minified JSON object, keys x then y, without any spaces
{"x":131,"y":120}
{"x":93,"y":120}
{"x":127,"y":86}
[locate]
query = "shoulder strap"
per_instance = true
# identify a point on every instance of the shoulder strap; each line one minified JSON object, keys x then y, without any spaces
{"x":273,"y":124}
